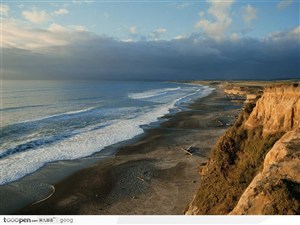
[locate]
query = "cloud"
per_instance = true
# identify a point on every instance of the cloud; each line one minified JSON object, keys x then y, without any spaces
{"x":249,"y":13}
{"x":133,"y":30}
{"x":61,"y":12}
{"x":4,"y":10}
{"x":157,"y":33}
{"x":79,"y":28}
{"x":128,"y":40}
{"x":293,"y":34}
{"x":54,"y":27}
{"x":62,"y":53}
{"x":216,"y":28}
{"x":17,"y":34}
{"x":284,"y":3}
{"x":234,"y":36}
{"x":36,"y":16}
{"x":179,"y":37}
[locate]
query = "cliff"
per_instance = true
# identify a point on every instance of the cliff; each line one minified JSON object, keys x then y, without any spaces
{"x":275,"y":190}
{"x":245,"y":173}
{"x":235,"y":91}
{"x":278,"y":110}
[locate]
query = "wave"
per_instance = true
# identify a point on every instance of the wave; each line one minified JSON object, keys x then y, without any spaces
{"x":60,"y":114}
{"x":86,"y":143}
{"x":152,"y":93}
{"x":20,"y":107}
{"x":87,"y":98}
{"x":32,"y":144}
{"x":44,"y":141}
{"x":17,"y":133}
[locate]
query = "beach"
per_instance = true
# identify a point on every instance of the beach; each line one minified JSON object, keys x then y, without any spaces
{"x":152,"y":175}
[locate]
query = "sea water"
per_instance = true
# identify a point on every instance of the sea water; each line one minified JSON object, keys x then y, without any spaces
{"x":47,"y":121}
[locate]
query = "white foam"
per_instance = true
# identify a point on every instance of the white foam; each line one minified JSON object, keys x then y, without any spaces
{"x":60,"y":114}
{"x":83,"y":144}
{"x":152,"y":93}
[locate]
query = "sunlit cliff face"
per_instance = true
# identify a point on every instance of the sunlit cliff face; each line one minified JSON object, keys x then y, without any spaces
{"x":278,"y":110}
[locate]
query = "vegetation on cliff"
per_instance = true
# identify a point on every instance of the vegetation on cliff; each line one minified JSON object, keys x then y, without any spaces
{"x":275,"y":190}
{"x":239,"y":155}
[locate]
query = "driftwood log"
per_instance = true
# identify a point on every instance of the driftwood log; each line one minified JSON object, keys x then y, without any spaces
{"x":187,"y":151}
{"x":140,"y":178}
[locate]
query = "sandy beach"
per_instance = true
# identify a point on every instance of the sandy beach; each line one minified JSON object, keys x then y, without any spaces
{"x":152,"y":175}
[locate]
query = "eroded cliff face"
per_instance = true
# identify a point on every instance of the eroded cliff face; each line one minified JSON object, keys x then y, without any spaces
{"x":277,"y":110}
{"x":275,"y":190}
{"x":239,"y":158}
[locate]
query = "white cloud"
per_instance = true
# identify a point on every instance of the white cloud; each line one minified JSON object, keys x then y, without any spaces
{"x":292,"y":34}
{"x":18,"y":34}
{"x":179,"y":37}
{"x":284,"y":3}
{"x":234,"y":37}
{"x":133,"y":30}
{"x":4,"y":10}
{"x":79,"y":28}
{"x":55,"y":27}
{"x":61,"y":12}
{"x":216,"y":28}
{"x":36,"y":16}
{"x":249,"y":13}
{"x":157,"y":33}
{"x":160,"y":30}
{"x":127,"y":40}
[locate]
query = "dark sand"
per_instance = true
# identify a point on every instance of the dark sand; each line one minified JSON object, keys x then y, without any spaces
{"x":151,"y":176}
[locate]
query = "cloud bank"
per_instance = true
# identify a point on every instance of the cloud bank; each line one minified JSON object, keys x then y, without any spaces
{"x":69,"y":53}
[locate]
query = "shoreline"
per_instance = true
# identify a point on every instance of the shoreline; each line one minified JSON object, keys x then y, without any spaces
{"x":142,"y":172}
{"x":19,"y":193}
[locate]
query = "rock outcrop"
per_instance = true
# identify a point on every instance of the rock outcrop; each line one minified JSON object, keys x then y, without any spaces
{"x":243,"y":176}
{"x":277,"y":110}
{"x":275,"y":190}
{"x":252,"y":98}
{"x":236,"y":91}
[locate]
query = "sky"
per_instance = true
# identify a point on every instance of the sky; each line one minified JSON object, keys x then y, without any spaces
{"x":150,"y":40}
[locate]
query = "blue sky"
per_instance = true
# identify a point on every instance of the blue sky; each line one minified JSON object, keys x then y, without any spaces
{"x":138,"y":19}
{"x":38,"y":26}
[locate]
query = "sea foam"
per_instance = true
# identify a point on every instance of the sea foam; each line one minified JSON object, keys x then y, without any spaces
{"x":152,"y":93}
{"x":92,"y":140}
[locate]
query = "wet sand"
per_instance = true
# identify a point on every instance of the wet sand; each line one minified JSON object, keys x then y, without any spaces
{"x":153,"y":175}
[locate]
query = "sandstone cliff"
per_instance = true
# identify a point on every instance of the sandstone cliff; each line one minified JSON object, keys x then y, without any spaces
{"x":236,"y":91}
{"x":239,"y":158}
{"x":275,"y":190}
{"x":277,"y":110}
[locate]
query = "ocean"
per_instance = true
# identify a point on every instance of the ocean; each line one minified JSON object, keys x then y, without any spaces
{"x":49,"y":121}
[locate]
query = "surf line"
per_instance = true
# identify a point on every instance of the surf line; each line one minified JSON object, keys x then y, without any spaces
{"x":44,"y":199}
